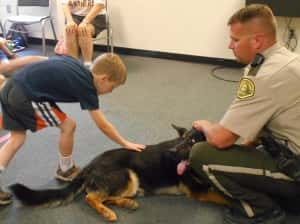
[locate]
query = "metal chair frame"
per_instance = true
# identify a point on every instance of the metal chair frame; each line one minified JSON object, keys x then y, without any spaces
{"x":19,"y":19}
{"x":1,"y":27}
{"x":109,"y":31}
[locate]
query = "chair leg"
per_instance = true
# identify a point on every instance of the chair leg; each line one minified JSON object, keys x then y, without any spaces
{"x":107,"y":39}
{"x":43,"y":38}
{"x":4,"y":29}
{"x":53,"y":30}
{"x":110,"y":47}
{"x":111,"y":41}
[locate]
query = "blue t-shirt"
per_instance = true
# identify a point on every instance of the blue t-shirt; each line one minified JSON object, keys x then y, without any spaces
{"x":59,"y":79}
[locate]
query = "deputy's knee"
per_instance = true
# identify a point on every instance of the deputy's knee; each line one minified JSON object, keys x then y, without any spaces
{"x":199,"y":149}
{"x":201,"y":154}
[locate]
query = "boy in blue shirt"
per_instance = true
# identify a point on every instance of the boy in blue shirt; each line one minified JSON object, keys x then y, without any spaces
{"x":29,"y":99}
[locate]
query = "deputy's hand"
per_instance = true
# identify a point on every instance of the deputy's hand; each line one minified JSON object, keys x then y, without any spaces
{"x":134,"y":146}
{"x":198,"y":125}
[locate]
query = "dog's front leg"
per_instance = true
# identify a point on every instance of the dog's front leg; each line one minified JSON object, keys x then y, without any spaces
{"x":96,"y":202}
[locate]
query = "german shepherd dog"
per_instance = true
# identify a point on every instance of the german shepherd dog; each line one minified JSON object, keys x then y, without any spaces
{"x":116,"y":176}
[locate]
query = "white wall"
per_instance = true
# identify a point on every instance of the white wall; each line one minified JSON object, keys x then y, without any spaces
{"x":283,"y":33}
{"x":193,"y":27}
{"x":34,"y":29}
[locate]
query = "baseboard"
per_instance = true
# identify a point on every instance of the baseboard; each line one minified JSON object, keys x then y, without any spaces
{"x":158,"y":54}
{"x":177,"y":57}
{"x":36,"y":40}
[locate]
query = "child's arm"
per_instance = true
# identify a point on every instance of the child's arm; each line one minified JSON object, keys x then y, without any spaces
{"x":110,"y":131}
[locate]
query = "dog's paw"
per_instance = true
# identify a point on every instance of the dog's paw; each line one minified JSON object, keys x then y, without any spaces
{"x":140,"y":192}
{"x":132,"y":204}
{"x":110,"y":216}
{"x":127,"y":203}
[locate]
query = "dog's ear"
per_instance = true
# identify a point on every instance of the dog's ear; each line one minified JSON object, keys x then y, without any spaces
{"x":180,"y":130}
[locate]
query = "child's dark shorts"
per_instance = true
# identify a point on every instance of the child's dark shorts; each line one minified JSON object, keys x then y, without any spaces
{"x":20,"y":113}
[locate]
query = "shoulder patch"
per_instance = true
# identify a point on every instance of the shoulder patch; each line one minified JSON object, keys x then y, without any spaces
{"x":246,"y":88}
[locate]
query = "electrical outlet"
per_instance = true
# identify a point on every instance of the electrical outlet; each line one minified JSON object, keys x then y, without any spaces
{"x":8,"y":9}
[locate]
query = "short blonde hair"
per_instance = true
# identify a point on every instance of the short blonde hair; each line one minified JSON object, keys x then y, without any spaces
{"x":111,"y":65}
{"x":256,"y":11}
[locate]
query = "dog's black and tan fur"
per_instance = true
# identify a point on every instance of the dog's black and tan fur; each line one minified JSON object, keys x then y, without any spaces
{"x":116,"y":176}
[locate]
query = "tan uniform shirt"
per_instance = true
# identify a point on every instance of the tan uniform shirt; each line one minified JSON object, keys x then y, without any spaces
{"x":270,"y":99}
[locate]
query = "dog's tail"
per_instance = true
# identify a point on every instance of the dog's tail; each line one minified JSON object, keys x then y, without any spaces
{"x":48,"y":197}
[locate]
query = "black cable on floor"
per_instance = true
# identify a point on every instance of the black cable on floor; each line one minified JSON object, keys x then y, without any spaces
{"x":215,"y":75}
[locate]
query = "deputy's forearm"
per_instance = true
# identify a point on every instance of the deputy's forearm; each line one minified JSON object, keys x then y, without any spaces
{"x":219,"y":136}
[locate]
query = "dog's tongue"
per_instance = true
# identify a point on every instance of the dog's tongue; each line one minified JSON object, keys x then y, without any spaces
{"x":181,"y":167}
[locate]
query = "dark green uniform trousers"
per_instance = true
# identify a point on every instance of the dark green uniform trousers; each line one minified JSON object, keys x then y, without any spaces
{"x":247,"y":175}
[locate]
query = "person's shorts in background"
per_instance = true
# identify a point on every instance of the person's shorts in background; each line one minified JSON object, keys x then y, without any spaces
{"x":99,"y":22}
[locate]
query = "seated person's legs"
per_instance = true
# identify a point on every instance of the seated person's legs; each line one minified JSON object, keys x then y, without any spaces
{"x":85,"y":40}
{"x":86,"y":43}
{"x":72,"y":45}
{"x":79,"y":37}
{"x":71,"y":40}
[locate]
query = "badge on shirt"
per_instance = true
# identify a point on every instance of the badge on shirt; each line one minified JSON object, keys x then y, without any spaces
{"x":246,"y":88}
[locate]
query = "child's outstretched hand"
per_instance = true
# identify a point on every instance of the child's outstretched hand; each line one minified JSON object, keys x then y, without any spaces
{"x":134,"y":146}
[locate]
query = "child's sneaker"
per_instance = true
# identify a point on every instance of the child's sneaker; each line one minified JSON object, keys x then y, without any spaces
{"x":5,"y":197}
{"x":68,"y":175}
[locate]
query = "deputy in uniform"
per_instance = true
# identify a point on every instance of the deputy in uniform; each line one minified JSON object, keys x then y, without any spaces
{"x":268,"y":99}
